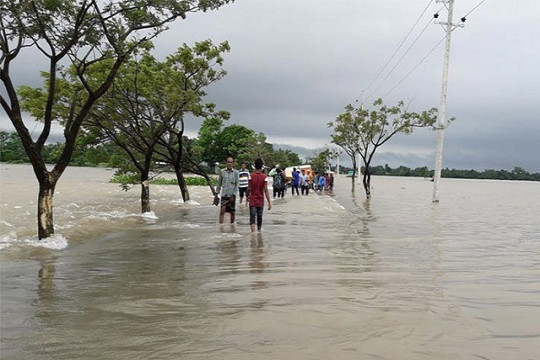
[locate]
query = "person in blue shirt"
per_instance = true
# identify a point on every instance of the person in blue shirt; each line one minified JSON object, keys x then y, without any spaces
{"x":295,"y":182}
{"x":321,"y":185}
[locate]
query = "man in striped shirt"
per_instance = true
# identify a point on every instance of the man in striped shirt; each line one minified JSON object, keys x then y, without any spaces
{"x":228,"y":187}
{"x":243,"y":181}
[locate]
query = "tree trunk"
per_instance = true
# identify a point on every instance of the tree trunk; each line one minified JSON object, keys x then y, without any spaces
{"x":145,"y":196}
{"x":182,"y":184}
{"x":366,"y":180}
{"x":45,"y":209}
{"x":354,"y":170}
{"x":198,"y":170}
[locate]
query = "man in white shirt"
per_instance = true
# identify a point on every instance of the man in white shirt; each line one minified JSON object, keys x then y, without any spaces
{"x":243,"y":181}
{"x":304,"y":183}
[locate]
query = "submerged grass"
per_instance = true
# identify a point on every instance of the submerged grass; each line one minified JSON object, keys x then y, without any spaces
{"x":132,"y":179}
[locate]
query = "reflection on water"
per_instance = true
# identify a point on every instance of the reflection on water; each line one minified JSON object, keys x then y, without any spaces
{"x":257,"y":265}
{"x":396,"y":277}
{"x":46,"y":283}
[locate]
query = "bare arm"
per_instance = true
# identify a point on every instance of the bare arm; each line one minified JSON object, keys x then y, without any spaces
{"x":248,"y":191}
{"x":220,"y":180}
{"x":267,"y":194}
{"x":236,"y":180}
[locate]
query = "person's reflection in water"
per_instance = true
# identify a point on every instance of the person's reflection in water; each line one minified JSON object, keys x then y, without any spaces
{"x":257,"y":256}
{"x":229,"y":257}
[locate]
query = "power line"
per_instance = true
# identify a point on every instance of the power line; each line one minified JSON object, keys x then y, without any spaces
{"x":414,"y":68}
{"x":400,"y":59}
{"x":403,"y":56}
{"x":474,"y":8}
{"x":399,"y":47}
{"x":433,"y":49}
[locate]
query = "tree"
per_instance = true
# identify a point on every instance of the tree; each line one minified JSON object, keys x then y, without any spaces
{"x":127,"y":115}
{"x":319,"y":162}
{"x":233,"y":141}
{"x":520,"y":173}
{"x":143,"y":113}
{"x":284,"y":158}
{"x":256,"y":147}
{"x":346,"y":134}
{"x":11,"y":149}
{"x":377,"y":126}
{"x":421,"y":171}
{"x":206,"y":146}
{"x":181,"y":157}
{"x":86,"y":34}
{"x":191,"y":70}
{"x":189,"y":162}
{"x":216,"y":144}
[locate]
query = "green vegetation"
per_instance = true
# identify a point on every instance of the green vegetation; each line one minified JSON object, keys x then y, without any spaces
{"x":360,"y":131}
{"x":215,"y":142}
{"x":108,"y":155}
{"x":104,"y":155}
{"x":320,"y":160}
{"x":75,"y":40}
{"x":134,"y":179}
{"x":517,"y":173}
{"x":144,"y":111}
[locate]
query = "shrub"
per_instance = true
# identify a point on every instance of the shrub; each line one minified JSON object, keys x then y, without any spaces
{"x":127,"y":180}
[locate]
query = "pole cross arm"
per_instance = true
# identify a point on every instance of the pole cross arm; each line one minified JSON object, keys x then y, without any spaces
{"x":461,"y":24}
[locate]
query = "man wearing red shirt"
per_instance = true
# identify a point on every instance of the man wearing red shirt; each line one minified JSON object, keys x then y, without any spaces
{"x":257,"y":190}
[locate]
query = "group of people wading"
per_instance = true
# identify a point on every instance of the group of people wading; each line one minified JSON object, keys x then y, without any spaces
{"x":253,"y":187}
{"x":301,"y":179}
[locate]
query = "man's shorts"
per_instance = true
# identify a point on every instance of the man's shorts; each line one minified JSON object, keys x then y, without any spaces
{"x":242,"y":191}
{"x":229,"y":202}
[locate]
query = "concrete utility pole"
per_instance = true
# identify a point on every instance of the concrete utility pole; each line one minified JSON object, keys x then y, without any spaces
{"x":441,"y":123}
{"x":358,"y":157}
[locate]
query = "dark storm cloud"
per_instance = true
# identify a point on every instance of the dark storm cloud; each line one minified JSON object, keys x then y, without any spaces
{"x":294,"y":65}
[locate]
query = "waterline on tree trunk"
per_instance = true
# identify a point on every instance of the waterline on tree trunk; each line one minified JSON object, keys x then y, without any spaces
{"x":45,"y":211}
{"x":149,"y":215}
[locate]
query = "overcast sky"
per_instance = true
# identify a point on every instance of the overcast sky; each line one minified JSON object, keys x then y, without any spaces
{"x":295,"y":64}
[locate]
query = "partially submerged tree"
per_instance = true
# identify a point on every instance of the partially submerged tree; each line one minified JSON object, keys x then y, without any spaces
{"x":85,"y":34}
{"x":173,"y":150}
{"x":191,"y":70}
{"x":143,"y":112}
{"x":346,"y":134}
{"x":375,"y":127}
{"x":127,"y":115}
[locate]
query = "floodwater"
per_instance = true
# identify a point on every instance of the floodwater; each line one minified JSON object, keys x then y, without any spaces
{"x":329,"y":277}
